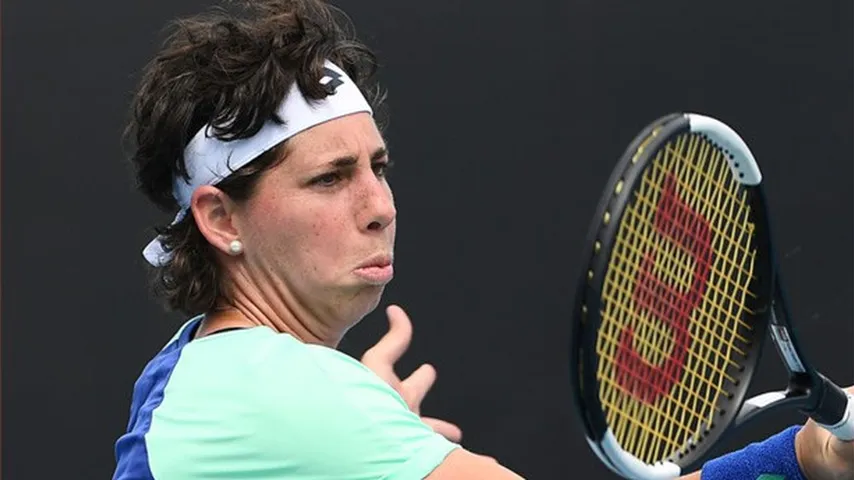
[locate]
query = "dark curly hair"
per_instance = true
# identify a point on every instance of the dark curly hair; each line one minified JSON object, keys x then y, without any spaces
{"x":232,"y":70}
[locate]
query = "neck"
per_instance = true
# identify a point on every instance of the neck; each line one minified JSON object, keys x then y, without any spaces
{"x":277,"y":309}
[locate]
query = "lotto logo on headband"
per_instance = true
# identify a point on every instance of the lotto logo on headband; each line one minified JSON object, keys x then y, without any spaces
{"x":331,"y":79}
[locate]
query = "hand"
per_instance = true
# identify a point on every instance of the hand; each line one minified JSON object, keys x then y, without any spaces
{"x":381,"y":359}
{"x":823,"y":456}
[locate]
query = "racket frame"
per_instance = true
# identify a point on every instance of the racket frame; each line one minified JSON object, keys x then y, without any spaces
{"x":807,"y":389}
{"x":586,"y":310}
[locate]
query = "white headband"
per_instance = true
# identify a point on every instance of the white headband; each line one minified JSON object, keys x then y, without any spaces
{"x":210,"y":160}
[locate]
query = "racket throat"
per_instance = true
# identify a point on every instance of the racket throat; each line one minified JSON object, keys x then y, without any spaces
{"x":757,"y":406}
{"x":786,"y":346}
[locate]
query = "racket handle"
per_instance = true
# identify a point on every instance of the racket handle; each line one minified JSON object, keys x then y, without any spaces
{"x":835,"y":411}
{"x":844,"y":430}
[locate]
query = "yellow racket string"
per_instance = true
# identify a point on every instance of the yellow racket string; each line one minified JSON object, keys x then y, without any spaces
{"x":657,"y":427}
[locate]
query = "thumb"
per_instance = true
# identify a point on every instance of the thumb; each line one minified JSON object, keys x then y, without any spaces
{"x":393,"y":344}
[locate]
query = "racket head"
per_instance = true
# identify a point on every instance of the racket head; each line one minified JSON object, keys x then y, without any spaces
{"x":673,"y":303}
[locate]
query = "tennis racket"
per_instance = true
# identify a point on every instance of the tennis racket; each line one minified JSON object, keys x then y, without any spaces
{"x":679,"y":289}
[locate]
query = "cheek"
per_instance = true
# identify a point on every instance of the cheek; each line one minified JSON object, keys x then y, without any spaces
{"x":305,"y":237}
{"x":322,"y":248}
{"x":323,"y":233}
{"x":274,"y":227}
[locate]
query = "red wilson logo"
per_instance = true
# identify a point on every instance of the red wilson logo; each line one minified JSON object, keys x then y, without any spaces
{"x":677,"y":221}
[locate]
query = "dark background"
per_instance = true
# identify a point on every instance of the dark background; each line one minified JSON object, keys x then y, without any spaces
{"x":506,"y":118}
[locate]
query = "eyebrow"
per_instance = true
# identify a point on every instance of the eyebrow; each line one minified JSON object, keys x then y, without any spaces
{"x":351,"y":160}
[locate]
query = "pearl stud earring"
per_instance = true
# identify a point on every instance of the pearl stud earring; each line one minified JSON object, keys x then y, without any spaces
{"x":236,"y":247}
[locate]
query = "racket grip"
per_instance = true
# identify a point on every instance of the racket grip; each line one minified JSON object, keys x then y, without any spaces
{"x":844,"y":430}
{"x":835,"y":412}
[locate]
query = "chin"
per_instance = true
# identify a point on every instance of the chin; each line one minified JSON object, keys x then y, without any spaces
{"x":372,"y":295}
{"x":358,"y":299}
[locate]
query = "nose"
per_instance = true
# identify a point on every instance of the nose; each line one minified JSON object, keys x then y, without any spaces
{"x":377,"y":205}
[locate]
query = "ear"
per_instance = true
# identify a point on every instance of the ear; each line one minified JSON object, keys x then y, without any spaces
{"x":214,"y":212}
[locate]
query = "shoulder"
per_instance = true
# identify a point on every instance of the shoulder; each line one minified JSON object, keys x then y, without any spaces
{"x":308,"y":411}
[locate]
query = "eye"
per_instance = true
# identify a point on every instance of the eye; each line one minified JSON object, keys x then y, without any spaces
{"x":381,"y":169}
{"x":326,"y":180}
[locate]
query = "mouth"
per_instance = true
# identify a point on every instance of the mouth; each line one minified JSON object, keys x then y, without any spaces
{"x":377,"y":270}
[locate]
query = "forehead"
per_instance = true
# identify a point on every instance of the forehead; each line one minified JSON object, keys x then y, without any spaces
{"x":352,"y":135}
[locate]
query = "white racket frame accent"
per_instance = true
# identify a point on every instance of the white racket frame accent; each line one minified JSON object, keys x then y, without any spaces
{"x":764,"y":399}
{"x":747,"y":172}
{"x":627,"y":465}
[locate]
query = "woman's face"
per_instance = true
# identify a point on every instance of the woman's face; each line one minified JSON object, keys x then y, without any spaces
{"x":320,"y":228}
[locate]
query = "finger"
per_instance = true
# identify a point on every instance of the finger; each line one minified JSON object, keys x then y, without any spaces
{"x":445,"y":429}
{"x":393,"y":344}
{"x":418,"y":384}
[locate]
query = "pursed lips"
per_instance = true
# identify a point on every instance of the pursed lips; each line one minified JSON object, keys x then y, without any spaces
{"x":377,"y":270}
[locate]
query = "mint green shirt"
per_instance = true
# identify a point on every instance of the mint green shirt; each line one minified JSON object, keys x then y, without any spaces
{"x":255,"y":404}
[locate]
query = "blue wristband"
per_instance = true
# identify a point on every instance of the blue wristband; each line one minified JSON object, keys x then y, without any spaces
{"x":773,"y":459}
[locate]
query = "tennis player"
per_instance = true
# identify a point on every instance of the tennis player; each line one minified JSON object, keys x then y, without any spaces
{"x":260,"y":131}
